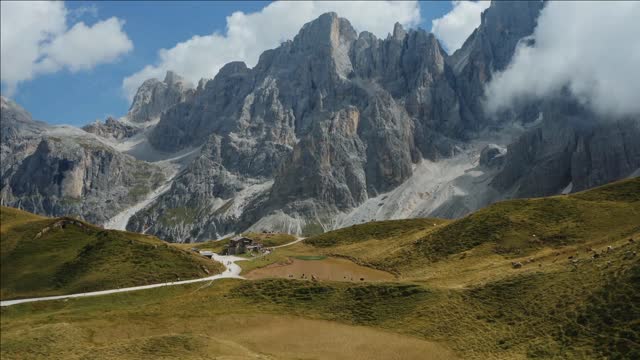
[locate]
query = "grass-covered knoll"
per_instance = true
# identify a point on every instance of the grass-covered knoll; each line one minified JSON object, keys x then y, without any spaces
{"x":497,"y":234}
{"x":587,"y":310}
{"x":213,"y":245}
{"x":377,"y":230}
{"x":621,"y":191}
{"x":519,"y":226}
{"x":79,"y":257}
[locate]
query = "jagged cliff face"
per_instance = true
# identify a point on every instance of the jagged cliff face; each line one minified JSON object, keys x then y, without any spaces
{"x":112,"y":129}
{"x":331,"y":129}
{"x":570,"y":150}
{"x":53,"y":172}
{"x":64,"y":176}
{"x":489,"y":49}
{"x":333,"y":120}
{"x":19,"y":137}
{"x":155,"y":96}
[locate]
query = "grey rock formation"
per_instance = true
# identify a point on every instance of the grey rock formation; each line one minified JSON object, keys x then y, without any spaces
{"x":155,"y":96}
{"x":200,"y":194}
{"x":334,"y":118}
{"x":492,"y":156}
{"x":54,"y":173}
{"x":112,"y":129}
{"x":489,"y":49}
{"x":66,"y":176}
{"x":329,"y":128}
{"x":19,"y":137}
{"x":571,"y":149}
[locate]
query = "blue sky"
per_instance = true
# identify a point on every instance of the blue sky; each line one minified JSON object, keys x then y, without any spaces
{"x":82,"y":96}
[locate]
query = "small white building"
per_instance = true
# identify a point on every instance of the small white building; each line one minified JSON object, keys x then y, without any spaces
{"x":206,"y":253}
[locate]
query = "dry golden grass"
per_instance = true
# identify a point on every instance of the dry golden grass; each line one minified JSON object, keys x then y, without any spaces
{"x":465,"y":296}
{"x":148,"y":334}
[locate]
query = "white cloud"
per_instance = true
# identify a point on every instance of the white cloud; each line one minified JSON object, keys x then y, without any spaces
{"x":83,"y":47}
{"x":35,"y":40}
{"x":248,"y":35}
{"x":82,"y":11}
{"x":589,"y":48}
{"x":455,"y":27}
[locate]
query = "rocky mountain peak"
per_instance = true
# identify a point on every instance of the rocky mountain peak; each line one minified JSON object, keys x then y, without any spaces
{"x":329,"y":36}
{"x":171,"y":79}
{"x":329,"y":129}
{"x":154,"y":97}
{"x":327,"y":29}
{"x":14,"y":118}
{"x":7,"y":105}
{"x":398,"y":32}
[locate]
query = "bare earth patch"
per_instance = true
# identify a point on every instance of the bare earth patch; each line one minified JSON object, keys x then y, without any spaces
{"x":331,"y":269}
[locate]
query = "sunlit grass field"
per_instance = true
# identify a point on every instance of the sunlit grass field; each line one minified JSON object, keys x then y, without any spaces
{"x":454,"y":294}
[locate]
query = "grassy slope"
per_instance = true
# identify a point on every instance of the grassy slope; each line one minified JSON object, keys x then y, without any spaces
{"x":506,"y":228}
{"x":552,"y":308}
{"x":74,"y":259}
{"x":518,"y":226}
{"x":377,"y":230}
{"x":559,"y":313}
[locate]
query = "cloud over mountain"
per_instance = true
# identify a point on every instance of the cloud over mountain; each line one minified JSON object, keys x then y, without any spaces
{"x":590,"y":49}
{"x":455,"y":27}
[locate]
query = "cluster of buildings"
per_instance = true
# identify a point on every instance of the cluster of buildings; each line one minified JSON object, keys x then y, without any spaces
{"x":240,"y":245}
{"x":236,"y":246}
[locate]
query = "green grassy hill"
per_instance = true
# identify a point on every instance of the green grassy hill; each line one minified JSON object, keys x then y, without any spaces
{"x":456,"y":295}
{"x":584,"y":311}
{"x":80,"y":257}
{"x":376,"y":230}
{"x":511,"y":228}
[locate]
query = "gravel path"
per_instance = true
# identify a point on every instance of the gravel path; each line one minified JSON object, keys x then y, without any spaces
{"x":232,"y":270}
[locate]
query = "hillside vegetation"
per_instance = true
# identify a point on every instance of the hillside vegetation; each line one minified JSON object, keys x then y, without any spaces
{"x":584,"y":311}
{"x":72,"y":256}
{"x":376,"y":230}
{"x":511,"y":228}
{"x":456,"y":294}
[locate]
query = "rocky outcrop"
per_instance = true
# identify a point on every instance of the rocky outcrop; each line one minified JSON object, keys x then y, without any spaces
{"x":61,"y":224}
{"x":154,"y":97}
{"x":19,"y":138}
{"x":334,"y":118}
{"x":112,"y":129}
{"x":489,"y":49}
{"x":79,"y":177}
{"x":492,"y":156}
{"x":331,"y":116}
{"x":204,"y":193}
{"x":571,"y":149}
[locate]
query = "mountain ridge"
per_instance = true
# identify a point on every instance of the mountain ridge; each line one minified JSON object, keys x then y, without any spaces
{"x":333,"y":128}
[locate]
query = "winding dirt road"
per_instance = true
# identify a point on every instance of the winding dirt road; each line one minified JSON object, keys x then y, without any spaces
{"x":232,"y":270}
